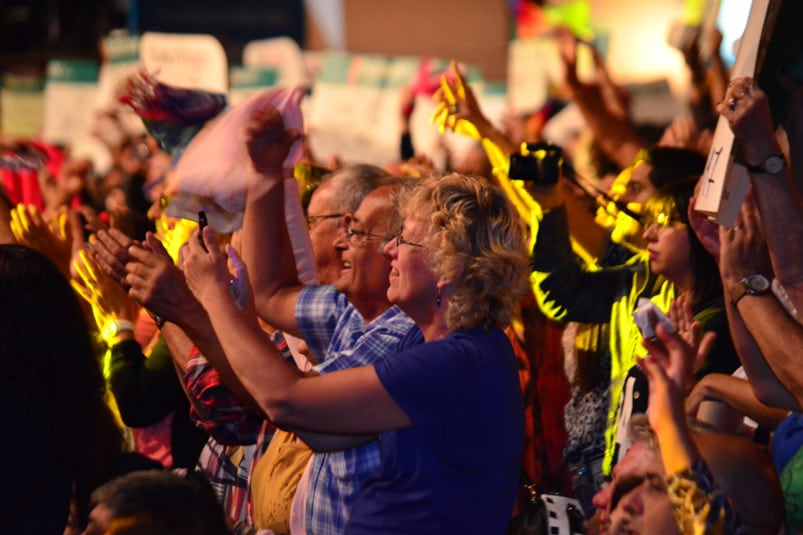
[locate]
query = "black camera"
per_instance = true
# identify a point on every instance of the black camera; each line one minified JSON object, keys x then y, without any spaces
{"x":540,"y":163}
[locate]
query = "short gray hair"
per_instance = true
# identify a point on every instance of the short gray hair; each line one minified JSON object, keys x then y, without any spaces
{"x":352,"y":183}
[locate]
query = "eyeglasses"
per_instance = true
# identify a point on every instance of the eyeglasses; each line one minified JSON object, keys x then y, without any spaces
{"x":400,"y":240}
{"x":312,"y":220}
{"x":660,"y":220}
{"x":351,"y":232}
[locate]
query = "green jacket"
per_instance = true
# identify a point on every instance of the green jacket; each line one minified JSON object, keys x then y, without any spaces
{"x":567,"y":292}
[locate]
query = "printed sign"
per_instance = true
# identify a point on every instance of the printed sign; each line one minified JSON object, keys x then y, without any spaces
{"x":723,"y":190}
{"x":71,"y":84}
{"x":191,"y":61}
{"x":282,"y":55}
{"x":22,"y":103}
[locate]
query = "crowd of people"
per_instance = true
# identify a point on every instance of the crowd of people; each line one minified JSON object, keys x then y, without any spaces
{"x":426,"y":350}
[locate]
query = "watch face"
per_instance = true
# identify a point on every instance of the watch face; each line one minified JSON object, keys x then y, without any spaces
{"x":757,"y":283}
{"x":774,"y":163}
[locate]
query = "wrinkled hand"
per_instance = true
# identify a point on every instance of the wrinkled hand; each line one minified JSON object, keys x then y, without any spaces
{"x":267,"y":141}
{"x":206,"y":271}
{"x":111,"y":253}
{"x":156,"y":283}
{"x":743,"y":249}
{"x":747,"y":109}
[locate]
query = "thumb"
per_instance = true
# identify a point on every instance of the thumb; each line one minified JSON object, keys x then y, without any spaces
{"x":240,"y":269}
{"x":240,"y":288}
{"x":208,"y":236}
{"x":155,"y":245}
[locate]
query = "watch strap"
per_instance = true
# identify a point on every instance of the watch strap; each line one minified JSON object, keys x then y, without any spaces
{"x":762,"y":167}
{"x":743,"y":287}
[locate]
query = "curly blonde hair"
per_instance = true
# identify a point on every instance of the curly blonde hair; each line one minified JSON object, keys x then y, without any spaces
{"x":476,"y":239}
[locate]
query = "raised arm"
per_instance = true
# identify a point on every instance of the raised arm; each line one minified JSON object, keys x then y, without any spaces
{"x":563,"y":289}
{"x":348,"y":402}
{"x":739,"y":252}
{"x":771,"y":359}
{"x":267,"y":249}
{"x":777,"y":197}
{"x":615,"y":136}
{"x":735,"y":392}
{"x":697,"y":500}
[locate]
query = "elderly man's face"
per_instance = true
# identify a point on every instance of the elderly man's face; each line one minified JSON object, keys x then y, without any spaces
{"x":324,"y":226}
{"x":639,"y":461}
{"x":645,"y":509}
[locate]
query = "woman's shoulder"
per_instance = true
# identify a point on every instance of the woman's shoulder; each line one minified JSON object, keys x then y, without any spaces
{"x":479,"y":339}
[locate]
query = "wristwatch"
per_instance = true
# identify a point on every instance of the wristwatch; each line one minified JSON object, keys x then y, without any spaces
{"x":772,"y":164}
{"x":754,"y":284}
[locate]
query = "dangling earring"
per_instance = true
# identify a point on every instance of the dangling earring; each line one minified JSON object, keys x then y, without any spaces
{"x":438,"y":299}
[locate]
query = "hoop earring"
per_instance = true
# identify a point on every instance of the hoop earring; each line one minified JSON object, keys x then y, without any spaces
{"x":438,"y":299}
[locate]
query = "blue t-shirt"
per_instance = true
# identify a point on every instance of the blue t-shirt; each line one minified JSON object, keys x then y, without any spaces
{"x":456,"y":469}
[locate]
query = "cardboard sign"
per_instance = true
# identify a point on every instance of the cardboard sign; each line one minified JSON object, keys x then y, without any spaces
{"x":723,"y":190}
{"x":282,"y":55}
{"x":22,"y":103}
{"x":355,"y":109}
{"x":122,"y":61}
{"x":192,"y":61}
{"x":343,"y":109}
{"x":71,"y":84}
{"x":248,"y":81}
{"x":534,"y":64}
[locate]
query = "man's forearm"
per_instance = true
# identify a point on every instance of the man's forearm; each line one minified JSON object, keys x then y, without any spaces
{"x":771,"y":362}
{"x":195,"y":329}
{"x":268,"y":251}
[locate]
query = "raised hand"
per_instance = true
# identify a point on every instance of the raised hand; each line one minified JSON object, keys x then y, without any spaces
{"x":747,"y":109}
{"x":683,"y":319}
{"x":53,"y":239}
{"x":669,"y":365}
{"x":109,"y":301}
{"x":688,"y":349}
{"x":111,"y":253}
{"x":155,"y":282}
{"x":743,"y":249}
{"x":457,"y":107}
{"x":706,"y":230}
{"x":206,"y":271}
{"x":267,"y":141}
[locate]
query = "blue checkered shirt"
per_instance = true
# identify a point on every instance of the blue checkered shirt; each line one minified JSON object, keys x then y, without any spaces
{"x":339,"y":339}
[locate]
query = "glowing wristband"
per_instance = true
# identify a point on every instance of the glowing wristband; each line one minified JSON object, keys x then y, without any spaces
{"x":113,"y":328}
